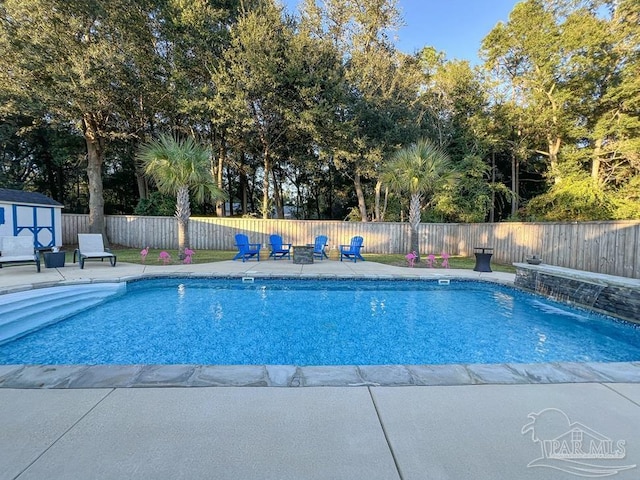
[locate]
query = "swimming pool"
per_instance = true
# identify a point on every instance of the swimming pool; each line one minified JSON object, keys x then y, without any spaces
{"x":326,"y":322}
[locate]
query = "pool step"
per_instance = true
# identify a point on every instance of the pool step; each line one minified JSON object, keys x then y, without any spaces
{"x":23,"y":312}
{"x":18,"y":312}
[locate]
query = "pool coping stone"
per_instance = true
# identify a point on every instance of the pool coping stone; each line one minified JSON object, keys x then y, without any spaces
{"x":141,"y":376}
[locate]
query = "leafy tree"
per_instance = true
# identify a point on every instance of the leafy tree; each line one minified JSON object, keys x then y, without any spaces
{"x":254,"y":78}
{"x":455,"y":110}
{"x":309,"y":110}
{"x":381,"y":83}
{"x":527,"y":52}
{"x":574,"y":197}
{"x":572,"y":68}
{"x":615,"y":116}
{"x":470,"y":198}
{"x":79,"y":60}
{"x":182,"y":168}
{"x":156,"y":203}
{"x":420,"y":170}
{"x":195,"y":36}
{"x":275,"y":86}
{"x":35,"y":156}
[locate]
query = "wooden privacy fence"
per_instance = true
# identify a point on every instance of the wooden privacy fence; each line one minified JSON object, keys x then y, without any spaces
{"x":604,"y":247}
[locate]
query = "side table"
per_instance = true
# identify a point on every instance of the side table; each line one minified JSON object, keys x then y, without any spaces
{"x":53,"y":259}
{"x":483,"y":259}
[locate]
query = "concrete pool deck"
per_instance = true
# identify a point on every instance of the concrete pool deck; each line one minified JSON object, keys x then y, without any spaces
{"x":55,"y":428}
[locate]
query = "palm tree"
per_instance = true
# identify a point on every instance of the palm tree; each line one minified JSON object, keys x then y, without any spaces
{"x":180,"y":167}
{"x":421,"y":169}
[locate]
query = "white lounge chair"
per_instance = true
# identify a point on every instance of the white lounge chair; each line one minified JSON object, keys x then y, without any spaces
{"x":18,"y":250}
{"x":90,"y":245}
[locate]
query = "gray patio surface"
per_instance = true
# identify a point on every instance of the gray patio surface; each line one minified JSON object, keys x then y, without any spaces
{"x":357,"y":432}
{"x":456,"y":432}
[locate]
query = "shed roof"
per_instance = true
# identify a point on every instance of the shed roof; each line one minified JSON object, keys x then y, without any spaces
{"x":20,"y":196}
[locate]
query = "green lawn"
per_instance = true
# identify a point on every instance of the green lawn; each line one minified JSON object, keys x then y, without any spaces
{"x":132,"y":255}
{"x":454,"y":262}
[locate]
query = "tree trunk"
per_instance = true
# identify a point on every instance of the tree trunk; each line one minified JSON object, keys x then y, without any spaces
{"x":242,"y":187}
{"x":317,"y":205}
{"x":361,"y":203}
{"x":95,"y":157}
{"x":183,"y":212}
{"x":554,"y":149}
{"x":316,"y":202}
{"x":49,"y":166}
{"x":141,"y":179}
{"x":230,"y":179}
{"x":60,"y":178}
{"x":330,"y":193}
{"x":414,"y":221}
{"x":595,"y":164}
{"x":265,"y":185}
{"x":515,"y":184}
{"x":553,"y":139}
{"x":385,"y":204}
{"x":377,"y":212}
{"x":143,"y":186}
{"x":277,"y":197}
{"x":298,"y":200}
{"x":245,"y":194}
{"x":492,"y":211}
{"x":220,"y":180}
{"x":251,"y":193}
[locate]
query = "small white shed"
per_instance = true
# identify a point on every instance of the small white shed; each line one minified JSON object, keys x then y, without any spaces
{"x":22,"y":213}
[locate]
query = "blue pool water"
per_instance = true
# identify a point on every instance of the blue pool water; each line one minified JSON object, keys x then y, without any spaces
{"x":325,"y":322}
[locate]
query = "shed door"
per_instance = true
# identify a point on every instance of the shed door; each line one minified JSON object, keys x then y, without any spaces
{"x":37,"y":220}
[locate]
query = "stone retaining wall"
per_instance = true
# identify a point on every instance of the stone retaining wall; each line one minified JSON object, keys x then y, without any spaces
{"x":616,"y":296}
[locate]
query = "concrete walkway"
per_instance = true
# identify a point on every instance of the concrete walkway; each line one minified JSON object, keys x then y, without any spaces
{"x":468,"y":432}
{"x":488,"y":431}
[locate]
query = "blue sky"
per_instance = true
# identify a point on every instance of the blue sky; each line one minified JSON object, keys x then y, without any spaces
{"x":456,"y":27}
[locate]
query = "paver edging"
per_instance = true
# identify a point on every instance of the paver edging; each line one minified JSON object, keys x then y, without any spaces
{"x":278,"y":376}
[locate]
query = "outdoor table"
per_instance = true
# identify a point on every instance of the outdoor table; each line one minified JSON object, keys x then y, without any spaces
{"x":302,"y":254}
{"x":483,"y":259}
{"x":53,"y":259}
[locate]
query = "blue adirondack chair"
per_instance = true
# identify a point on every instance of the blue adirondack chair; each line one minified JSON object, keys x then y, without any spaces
{"x":278,"y":248}
{"x":246,"y":250}
{"x":352,"y":251}
{"x":319,"y":246}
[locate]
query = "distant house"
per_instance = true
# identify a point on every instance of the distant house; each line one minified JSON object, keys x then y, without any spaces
{"x":24,"y":213}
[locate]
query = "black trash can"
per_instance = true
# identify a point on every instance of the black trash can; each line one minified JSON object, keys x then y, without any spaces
{"x":54,"y":259}
{"x":483,"y":259}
